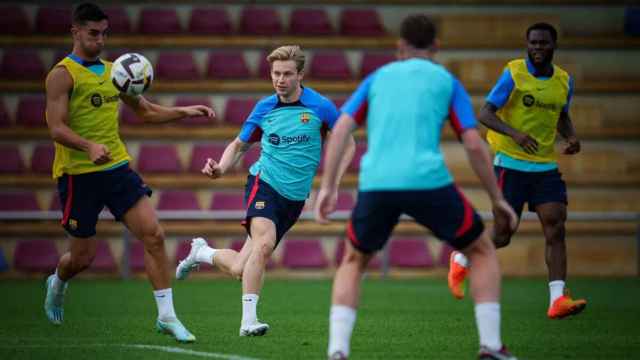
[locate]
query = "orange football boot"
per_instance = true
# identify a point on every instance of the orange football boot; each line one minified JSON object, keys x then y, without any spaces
{"x":456,"y":277}
{"x":566,"y":306}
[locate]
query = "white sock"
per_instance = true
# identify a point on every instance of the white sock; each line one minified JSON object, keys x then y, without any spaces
{"x":164,"y":301}
{"x":341,"y":322}
{"x":460,"y":259}
{"x":249,"y":305}
{"x":488,"y":322}
{"x":205,"y":255}
{"x":556,"y":289}
{"x":58,"y":285}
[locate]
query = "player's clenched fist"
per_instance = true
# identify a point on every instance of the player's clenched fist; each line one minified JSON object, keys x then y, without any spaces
{"x":212,"y":169}
{"x":99,"y":154}
{"x":325,"y":204}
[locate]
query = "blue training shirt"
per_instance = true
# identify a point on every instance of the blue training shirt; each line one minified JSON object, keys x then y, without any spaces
{"x":291,"y":139}
{"x":404,"y":105}
{"x":498,"y":97}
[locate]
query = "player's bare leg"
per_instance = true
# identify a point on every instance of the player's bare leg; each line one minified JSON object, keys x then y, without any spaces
{"x":552,"y":217}
{"x":344,"y":301}
{"x":233,"y":262}
{"x":81,"y":253}
{"x":229,"y":261}
{"x":263,"y":241}
{"x":141,"y":220}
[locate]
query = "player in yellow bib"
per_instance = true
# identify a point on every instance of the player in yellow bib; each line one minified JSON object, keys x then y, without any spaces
{"x":524,"y":111}
{"x":92,"y":166}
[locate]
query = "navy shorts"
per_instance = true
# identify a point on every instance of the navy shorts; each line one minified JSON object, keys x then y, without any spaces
{"x":84,"y":196}
{"x":445,"y":211}
{"x":264,"y":201}
{"x":534,"y":188}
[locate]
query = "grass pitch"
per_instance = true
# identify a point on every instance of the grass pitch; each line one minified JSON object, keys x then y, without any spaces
{"x":398,"y":319}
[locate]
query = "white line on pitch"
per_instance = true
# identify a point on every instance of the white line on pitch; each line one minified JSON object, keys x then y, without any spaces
{"x":177,"y":350}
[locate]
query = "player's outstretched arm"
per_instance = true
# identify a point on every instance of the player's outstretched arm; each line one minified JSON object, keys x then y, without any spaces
{"x":59,"y":84}
{"x":566,"y":130}
{"x":156,"y":113}
{"x":230,"y":157}
{"x":489,"y":119}
{"x":347,"y":157}
{"x":480,"y":160}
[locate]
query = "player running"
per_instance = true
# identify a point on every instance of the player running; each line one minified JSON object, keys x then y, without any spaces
{"x":92,"y":166}
{"x":404,"y":105}
{"x":289,"y":125}
{"x":525,"y":109}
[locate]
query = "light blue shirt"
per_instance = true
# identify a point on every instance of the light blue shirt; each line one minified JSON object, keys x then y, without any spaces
{"x":404,"y":105}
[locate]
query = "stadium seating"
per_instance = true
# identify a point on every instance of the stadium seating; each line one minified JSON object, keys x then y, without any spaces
{"x":237,"y":110}
{"x":4,"y":266}
{"x":372,"y":61}
{"x":129,"y":117}
{"x":198,"y":120}
{"x":119,"y":22}
{"x":410,"y":253}
{"x":329,"y":65}
{"x":136,"y":256}
{"x":159,"y":159}
{"x":312,"y":22}
{"x":182,"y":251}
{"x":39,"y":255}
{"x":339,"y":101}
{"x":55,"y":202}
{"x":53,"y":20}
{"x":445,"y":253}
{"x":303,"y":254}
{"x":227,"y":65}
{"x":260,"y":21}
{"x":227,"y":201}
{"x":375,"y":263}
{"x":159,"y":21}
{"x":361,"y":22}
{"x":251,"y":156}
{"x":361,"y":149}
{"x":22,"y":64}
{"x":31,"y":111}
{"x":176,"y":66}
{"x":104,"y":261}
{"x":178,"y":200}
{"x":200,"y":153}
{"x":11,"y":160}
{"x":210,"y":21}
{"x":345,"y":201}
{"x":42,"y":158}
{"x":18,"y":201}
{"x":5,"y":120}
{"x":264,"y":68}
{"x":13,"y":20}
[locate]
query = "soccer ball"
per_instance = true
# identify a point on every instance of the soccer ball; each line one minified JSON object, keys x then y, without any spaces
{"x":132,"y":74}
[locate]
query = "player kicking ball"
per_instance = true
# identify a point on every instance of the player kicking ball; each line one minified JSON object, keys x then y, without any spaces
{"x":289,"y":125}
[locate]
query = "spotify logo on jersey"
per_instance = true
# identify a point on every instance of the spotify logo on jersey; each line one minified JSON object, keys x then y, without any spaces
{"x":528,"y":100}
{"x":96,"y":100}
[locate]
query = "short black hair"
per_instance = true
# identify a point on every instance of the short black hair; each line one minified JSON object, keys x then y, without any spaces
{"x":544,"y":27}
{"x":88,"y":12}
{"x":418,"y":30}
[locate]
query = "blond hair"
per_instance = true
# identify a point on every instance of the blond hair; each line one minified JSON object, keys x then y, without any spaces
{"x":288,"y":52}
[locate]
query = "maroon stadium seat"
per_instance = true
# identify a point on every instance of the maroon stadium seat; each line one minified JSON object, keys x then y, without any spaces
{"x":260,"y":21}
{"x":156,"y":21}
{"x":329,"y":65}
{"x":200,"y":153}
{"x":375,"y":263}
{"x":177,"y":66}
{"x":182,"y":251}
{"x":22,"y":64}
{"x":304,"y":254}
{"x":361,"y":22}
{"x":104,"y":261}
{"x":119,"y":22}
{"x":30,"y":111}
{"x":227,"y":65}
{"x":445,"y":252}
{"x":227,"y":201}
{"x":410,"y":253}
{"x":35,"y":256}
{"x":372,"y":61}
{"x":14,"y":21}
{"x":18,"y":201}
{"x":198,"y":120}
{"x":159,"y":159}
{"x":210,"y":21}
{"x":178,"y":200}
{"x":136,"y":256}
{"x":264,"y":68}
{"x":42,"y":158}
{"x":339,"y":101}
{"x":361,"y":149}
{"x":5,"y":120}
{"x":345,"y":201}
{"x":55,"y":202}
{"x":59,"y":55}
{"x":251,"y":156}
{"x":53,"y":20}
{"x":310,"y":22}
{"x":237,"y":110}
{"x":11,"y":160}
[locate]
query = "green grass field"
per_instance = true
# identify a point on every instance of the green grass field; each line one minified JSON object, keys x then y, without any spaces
{"x":398,"y":319}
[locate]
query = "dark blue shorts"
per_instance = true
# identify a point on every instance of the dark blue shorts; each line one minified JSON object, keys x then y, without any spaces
{"x":534,"y":188}
{"x":264,"y":201}
{"x":445,"y":211}
{"x":84,"y":196}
